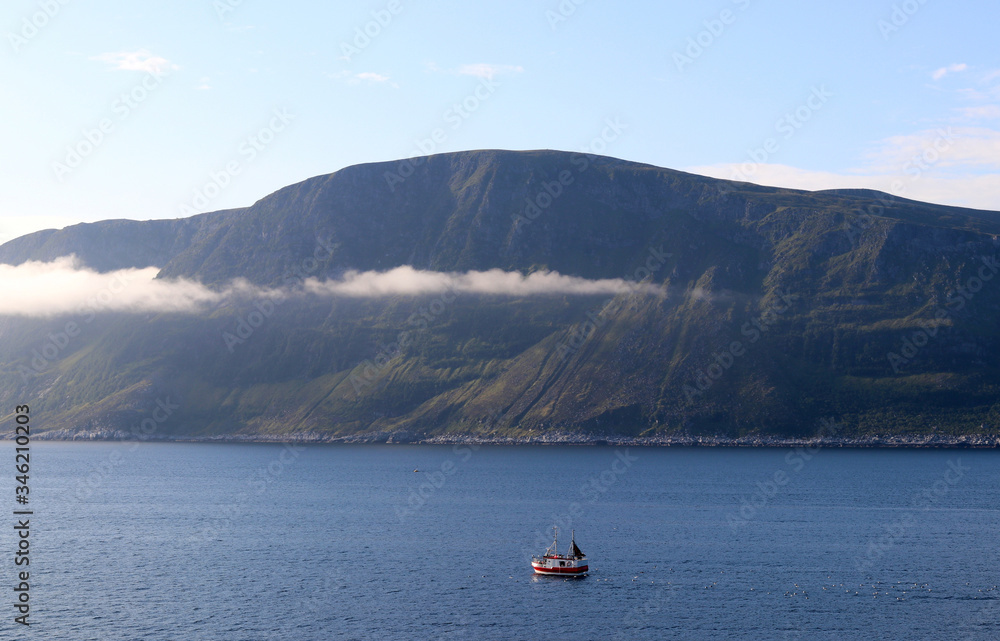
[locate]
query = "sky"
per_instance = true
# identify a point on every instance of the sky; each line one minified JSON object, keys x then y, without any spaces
{"x":114,"y":109}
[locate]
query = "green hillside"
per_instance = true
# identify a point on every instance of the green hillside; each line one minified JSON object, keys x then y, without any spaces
{"x":779,"y":307}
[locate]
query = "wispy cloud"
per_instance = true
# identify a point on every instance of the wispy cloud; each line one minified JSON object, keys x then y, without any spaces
{"x":141,"y":60}
{"x":980,"y":191}
{"x":367,"y":77}
{"x":944,"y":71}
{"x":479,"y":70}
{"x":985,"y":90}
{"x":976,"y":148}
{"x":371,"y":76}
{"x":487,"y":71}
{"x":64,"y":286}
{"x":982,"y":112}
{"x":952,"y":165}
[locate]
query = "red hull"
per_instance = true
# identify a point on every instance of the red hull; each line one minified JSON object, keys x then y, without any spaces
{"x":571,"y":571}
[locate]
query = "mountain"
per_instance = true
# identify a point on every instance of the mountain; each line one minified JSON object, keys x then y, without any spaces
{"x":778,"y":308}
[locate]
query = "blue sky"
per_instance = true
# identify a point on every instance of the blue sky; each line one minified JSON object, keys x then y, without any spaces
{"x":210,"y":104}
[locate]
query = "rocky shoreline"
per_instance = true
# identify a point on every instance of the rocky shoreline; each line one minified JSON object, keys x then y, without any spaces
{"x":878,"y":441}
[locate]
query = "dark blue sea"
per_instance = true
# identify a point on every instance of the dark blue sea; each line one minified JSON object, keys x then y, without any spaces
{"x":232,"y":542}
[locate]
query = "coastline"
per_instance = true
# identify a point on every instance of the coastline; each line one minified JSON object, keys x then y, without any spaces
{"x":403,"y":438}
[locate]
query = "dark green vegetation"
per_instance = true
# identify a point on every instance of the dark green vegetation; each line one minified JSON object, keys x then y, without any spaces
{"x":821,"y":290}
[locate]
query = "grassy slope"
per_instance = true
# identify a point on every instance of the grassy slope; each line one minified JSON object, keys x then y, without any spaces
{"x":862,"y":285}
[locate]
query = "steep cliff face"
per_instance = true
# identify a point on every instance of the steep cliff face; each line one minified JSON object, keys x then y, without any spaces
{"x":777,"y":307}
{"x":454,"y":212}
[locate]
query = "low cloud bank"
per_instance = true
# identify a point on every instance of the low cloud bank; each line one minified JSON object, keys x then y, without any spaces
{"x":406,"y":281}
{"x":64,"y":286}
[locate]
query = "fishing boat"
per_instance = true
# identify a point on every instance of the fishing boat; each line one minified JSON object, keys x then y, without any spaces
{"x":573,"y":563}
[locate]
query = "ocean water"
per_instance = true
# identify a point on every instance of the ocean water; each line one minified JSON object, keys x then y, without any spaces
{"x":233,"y":542}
